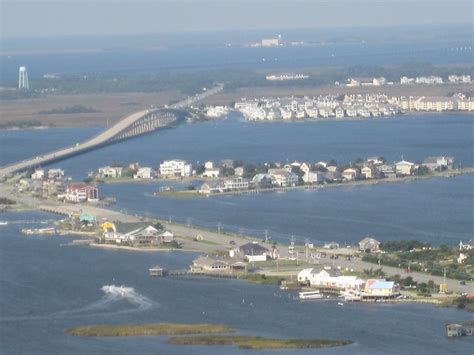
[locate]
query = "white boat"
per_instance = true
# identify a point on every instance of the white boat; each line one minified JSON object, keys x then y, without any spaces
{"x":3,"y":223}
{"x":310,"y":295}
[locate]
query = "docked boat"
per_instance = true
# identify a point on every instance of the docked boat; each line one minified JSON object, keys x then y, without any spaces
{"x":3,"y":223}
{"x":39,"y":231}
{"x":310,"y":295}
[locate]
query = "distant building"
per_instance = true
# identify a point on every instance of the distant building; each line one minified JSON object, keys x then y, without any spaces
{"x":379,"y":288}
{"x":270,"y":42}
{"x":369,"y":244}
{"x":350,"y":174}
{"x":175,"y":168}
{"x":239,"y":171}
{"x":404,"y":167}
{"x":38,"y":174}
{"x":82,"y":192}
{"x":462,"y":79}
{"x":328,"y":277}
{"x":208,"y":165}
{"x":23,"y":83}
{"x":238,"y":183}
{"x":254,"y":252}
{"x":211,"y":173}
{"x":111,"y":171}
{"x":438,"y":163}
{"x":145,"y":173}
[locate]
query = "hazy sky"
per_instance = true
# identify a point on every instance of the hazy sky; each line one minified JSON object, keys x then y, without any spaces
{"x":39,"y":18}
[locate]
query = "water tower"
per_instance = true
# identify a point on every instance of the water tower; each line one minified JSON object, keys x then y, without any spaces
{"x":23,"y":79}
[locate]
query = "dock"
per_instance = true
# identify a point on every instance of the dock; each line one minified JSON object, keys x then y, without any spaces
{"x":156,"y":271}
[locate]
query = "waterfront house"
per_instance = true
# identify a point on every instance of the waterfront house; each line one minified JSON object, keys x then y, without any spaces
{"x":145,"y":173}
{"x":110,"y":171}
{"x":208,"y":165}
{"x":212,"y":187}
{"x":263,"y":181}
{"x":237,"y":183}
{"x":313,"y":177}
{"x":329,"y":278}
{"x":369,"y":172}
{"x":283,"y":178}
{"x":82,"y":192}
{"x":379,"y":288}
{"x":165,"y":237}
{"x":217,"y":265}
{"x":369,"y":244}
{"x":387,"y":171}
{"x":438,"y":163}
{"x":404,"y":167}
{"x":454,"y":330}
{"x":350,"y":174}
{"x":254,"y":252}
{"x":305,"y":167}
{"x":175,"y":168}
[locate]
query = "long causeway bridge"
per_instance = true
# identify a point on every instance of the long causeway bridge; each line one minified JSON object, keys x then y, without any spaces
{"x":136,"y":124}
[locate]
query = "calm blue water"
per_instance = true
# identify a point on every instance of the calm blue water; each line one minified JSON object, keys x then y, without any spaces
{"x":46,"y":288}
{"x":437,"y":210}
{"x":414,"y":137}
{"x":194,"y":56}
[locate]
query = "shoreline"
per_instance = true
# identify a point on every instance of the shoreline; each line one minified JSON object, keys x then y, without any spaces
{"x":444,"y":174}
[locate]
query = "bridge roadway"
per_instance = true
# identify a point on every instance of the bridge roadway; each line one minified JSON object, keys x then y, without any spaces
{"x":137,"y":124}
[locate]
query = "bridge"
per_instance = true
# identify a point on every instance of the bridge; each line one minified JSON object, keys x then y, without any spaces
{"x":136,"y":124}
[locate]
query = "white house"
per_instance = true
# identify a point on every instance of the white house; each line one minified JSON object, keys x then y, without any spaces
{"x":369,"y":244}
{"x":313,"y":177}
{"x":38,"y":174}
{"x":329,"y":278}
{"x":175,"y":168}
{"x":110,"y":171}
{"x":143,"y":173}
{"x":404,"y":167}
{"x":208,"y":165}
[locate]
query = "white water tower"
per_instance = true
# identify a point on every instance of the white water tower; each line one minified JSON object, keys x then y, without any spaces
{"x":23,"y":79}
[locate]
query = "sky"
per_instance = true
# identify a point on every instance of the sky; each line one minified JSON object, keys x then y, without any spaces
{"x":57,"y":18}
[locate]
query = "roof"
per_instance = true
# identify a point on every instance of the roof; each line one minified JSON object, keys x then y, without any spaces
{"x":80,"y":185}
{"x":368,"y":239}
{"x":208,"y":261}
{"x":380,"y":284}
{"x":253,"y":248}
{"x":404,"y":162}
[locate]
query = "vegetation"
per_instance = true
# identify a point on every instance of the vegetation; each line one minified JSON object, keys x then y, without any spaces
{"x":68,"y":110}
{"x":262,"y":279}
{"x":148,"y":329}
{"x":403,"y":245}
{"x":254,"y":342}
{"x":21,"y":124}
{"x":425,"y":259}
{"x":6,"y":201}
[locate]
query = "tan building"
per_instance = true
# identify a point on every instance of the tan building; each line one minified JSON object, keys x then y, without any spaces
{"x":404,"y":168}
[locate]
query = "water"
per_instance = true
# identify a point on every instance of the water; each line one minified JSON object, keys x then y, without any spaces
{"x":124,"y":55}
{"x":46,"y":288}
{"x":437,"y":210}
{"x":411,"y":136}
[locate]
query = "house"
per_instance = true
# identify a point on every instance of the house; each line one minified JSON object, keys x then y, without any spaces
{"x":217,"y":265}
{"x":143,"y":173}
{"x":208,"y":165}
{"x":438,"y":163}
{"x":82,"y":192}
{"x":238,"y":183}
{"x":375,"y":160}
{"x":368,"y":172}
{"x":211,"y":173}
{"x":331,"y":245}
{"x":387,"y":171}
{"x":254,"y":252}
{"x":175,"y":168}
{"x":38,"y":174}
{"x":404,"y":167}
{"x":166,"y":237}
{"x":350,"y":174}
{"x":110,"y":171}
{"x":212,"y":187}
{"x":136,"y":234}
{"x":55,"y":174}
{"x":313,"y":177}
{"x":263,"y":181}
{"x":305,"y":167}
{"x":87,"y":218}
{"x":328,"y":277}
{"x":283,"y":178}
{"x":369,"y":244}
{"x":379,"y":288}
{"x":239,"y":171}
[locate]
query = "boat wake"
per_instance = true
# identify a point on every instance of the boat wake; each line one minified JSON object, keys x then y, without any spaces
{"x":116,"y":300}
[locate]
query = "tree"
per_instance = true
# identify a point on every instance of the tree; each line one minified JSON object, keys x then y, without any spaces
{"x":422,"y":170}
